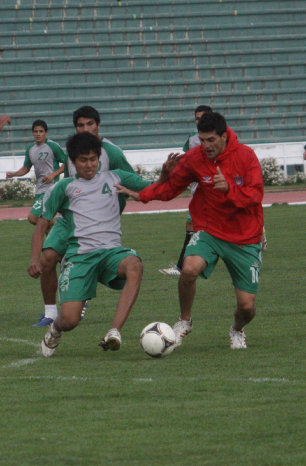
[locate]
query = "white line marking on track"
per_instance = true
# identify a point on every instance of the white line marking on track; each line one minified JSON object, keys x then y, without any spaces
{"x":186,"y":210}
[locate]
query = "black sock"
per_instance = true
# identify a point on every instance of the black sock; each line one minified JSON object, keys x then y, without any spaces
{"x":181,"y":258}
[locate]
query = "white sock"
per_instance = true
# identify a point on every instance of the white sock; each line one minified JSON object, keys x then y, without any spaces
{"x":51,"y":311}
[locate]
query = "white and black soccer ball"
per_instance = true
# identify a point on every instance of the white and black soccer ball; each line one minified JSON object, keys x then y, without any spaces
{"x":157,"y":339}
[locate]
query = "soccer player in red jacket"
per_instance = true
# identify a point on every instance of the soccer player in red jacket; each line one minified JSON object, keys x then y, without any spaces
{"x":227,"y":218}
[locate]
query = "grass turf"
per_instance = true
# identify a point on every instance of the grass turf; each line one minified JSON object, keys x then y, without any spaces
{"x":204,"y":404}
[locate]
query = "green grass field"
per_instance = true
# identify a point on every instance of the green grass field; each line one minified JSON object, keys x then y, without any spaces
{"x":203,"y":405}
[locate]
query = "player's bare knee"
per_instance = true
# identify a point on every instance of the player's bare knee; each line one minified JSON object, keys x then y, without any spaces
{"x":49,"y":260}
{"x":130,"y":267}
{"x":247,"y":311}
{"x":69,"y":322}
{"x":192,"y":267}
{"x":188,"y":274}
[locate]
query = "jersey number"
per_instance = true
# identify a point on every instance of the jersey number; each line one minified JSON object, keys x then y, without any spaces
{"x":106,"y":189}
{"x":255,"y":274}
{"x":43,"y":155}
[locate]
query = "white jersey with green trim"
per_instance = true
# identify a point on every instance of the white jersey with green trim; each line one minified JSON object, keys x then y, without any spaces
{"x":111,"y":158}
{"x":91,"y":208}
{"x":192,"y":141}
{"x":45,"y":158}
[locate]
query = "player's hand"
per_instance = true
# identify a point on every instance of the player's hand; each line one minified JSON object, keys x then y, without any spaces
{"x":3,"y":120}
{"x":170,"y":163}
{"x":48,"y":178}
{"x":220,"y":181}
{"x":128,"y":192}
{"x":9,"y":175}
{"x":35,"y":270}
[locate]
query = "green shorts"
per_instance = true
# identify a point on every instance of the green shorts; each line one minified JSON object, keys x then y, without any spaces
{"x":38,"y":205}
{"x":243,"y":262}
{"x":81,"y":273}
{"x":57,"y":239}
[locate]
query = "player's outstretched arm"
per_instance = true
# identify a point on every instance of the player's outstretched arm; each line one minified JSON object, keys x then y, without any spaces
{"x":128,"y":192}
{"x":35,"y":268}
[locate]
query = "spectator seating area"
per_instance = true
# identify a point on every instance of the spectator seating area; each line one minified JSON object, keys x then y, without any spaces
{"x":146,"y":64}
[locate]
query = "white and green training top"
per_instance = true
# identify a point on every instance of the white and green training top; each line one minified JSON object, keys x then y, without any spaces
{"x":111,"y":158}
{"x":91,"y":208}
{"x":45,"y":158}
{"x":192,"y":141}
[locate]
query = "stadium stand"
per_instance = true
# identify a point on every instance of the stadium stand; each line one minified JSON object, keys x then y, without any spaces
{"x":146,"y":64}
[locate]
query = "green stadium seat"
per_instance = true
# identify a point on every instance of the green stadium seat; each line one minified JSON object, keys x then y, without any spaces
{"x":153,"y":62}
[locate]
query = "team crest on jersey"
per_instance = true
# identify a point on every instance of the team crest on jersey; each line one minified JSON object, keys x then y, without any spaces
{"x":238,"y":180}
{"x":207,"y":179}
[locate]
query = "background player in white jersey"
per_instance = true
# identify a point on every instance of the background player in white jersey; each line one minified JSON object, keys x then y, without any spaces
{"x":192,"y":141}
{"x":87,"y":119}
{"x":45,"y":155}
{"x":94,"y":253}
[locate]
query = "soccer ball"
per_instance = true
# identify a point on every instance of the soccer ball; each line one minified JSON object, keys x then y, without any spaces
{"x":157,"y":339}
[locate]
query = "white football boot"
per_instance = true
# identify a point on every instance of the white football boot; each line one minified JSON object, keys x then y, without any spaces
{"x":237,"y":339}
{"x":50,"y":341}
{"x":181,"y":329}
{"x":172,"y":270}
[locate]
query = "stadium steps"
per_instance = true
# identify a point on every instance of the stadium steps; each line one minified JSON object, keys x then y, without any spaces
{"x":40,"y":18}
{"x":213,"y":57}
{"x":199,"y":72}
{"x":170,"y":111}
{"x":161,"y":87}
{"x":258,"y":124}
{"x":171,"y":137}
{"x":143,"y":58}
{"x":171,"y":32}
{"x":135,"y":48}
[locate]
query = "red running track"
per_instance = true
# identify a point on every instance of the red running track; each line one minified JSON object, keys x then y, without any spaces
{"x":179,"y":203}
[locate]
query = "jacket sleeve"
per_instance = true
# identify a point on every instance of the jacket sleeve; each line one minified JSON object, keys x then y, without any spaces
{"x":250,"y":191}
{"x":179,"y":179}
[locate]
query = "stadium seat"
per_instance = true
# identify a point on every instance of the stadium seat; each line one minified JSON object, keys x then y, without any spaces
{"x":153,"y":62}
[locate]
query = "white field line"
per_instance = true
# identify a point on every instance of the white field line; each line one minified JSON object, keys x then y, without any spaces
{"x":47,"y":377}
{"x":21,"y":362}
{"x":268,"y":379}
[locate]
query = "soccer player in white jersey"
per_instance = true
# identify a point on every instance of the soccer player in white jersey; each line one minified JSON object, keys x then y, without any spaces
{"x":45,"y":155}
{"x":87,"y":119}
{"x":90,"y":205}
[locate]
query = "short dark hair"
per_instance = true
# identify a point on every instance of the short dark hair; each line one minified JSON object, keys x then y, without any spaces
{"x":41,"y":123}
{"x":212,"y":122}
{"x":203,"y":108}
{"x":83,"y":143}
{"x":86,"y":112}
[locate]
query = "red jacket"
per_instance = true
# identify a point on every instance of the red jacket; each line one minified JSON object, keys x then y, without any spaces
{"x":235,"y":216}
